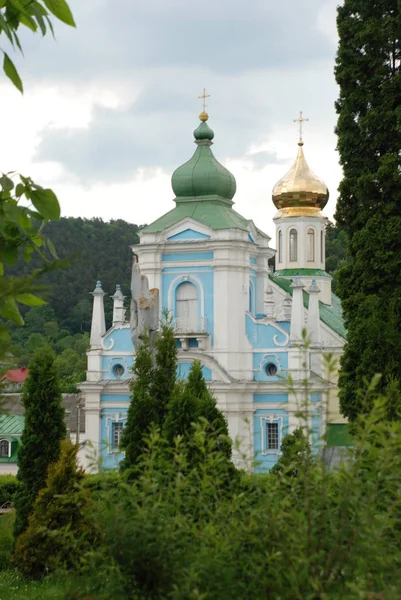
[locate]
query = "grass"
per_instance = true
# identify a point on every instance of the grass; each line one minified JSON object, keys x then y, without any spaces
{"x":14,"y":587}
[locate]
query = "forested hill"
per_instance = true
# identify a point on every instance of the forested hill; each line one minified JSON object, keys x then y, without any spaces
{"x":97,"y":250}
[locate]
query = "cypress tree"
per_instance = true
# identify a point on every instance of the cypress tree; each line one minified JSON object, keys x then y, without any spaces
{"x":41,"y":439}
{"x":369,"y":205}
{"x":165,"y":371}
{"x":142,"y":411}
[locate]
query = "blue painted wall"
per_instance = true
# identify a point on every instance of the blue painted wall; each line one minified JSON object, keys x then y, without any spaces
{"x":261,"y":359}
{"x":189,"y":234}
{"x":109,"y":362}
{"x":264,"y":462}
{"x":119,"y":340}
{"x":110,"y":459}
{"x":261,"y":335}
{"x":270,"y":398}
{"x":187,"y":256}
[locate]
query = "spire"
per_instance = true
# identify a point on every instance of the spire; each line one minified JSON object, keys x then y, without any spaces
{"x":98,"y":327}
{"x":297,"y":312}
{"x":313,"y":324}
{"x":300,"y":192}
{"x":203,"y":178}
{"x":118,"y":307}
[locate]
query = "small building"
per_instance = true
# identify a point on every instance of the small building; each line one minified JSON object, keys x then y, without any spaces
{"x":11,"y":428}
{"x":14,"y":379}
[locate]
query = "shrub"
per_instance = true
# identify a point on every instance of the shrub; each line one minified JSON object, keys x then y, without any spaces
{"x":6,"y":540}
{"x":9,"y":486}
{"x":61,"y":529}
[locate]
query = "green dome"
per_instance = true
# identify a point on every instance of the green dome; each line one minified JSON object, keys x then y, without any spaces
{"x":203,"y":177}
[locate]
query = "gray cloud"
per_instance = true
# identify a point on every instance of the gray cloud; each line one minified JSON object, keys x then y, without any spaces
{"x":169,"y":50}
{"x":114,"y":37}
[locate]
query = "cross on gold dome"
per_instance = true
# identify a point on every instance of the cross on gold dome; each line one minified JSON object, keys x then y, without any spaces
{"x":203,"y":97}
{"x":301,"y":119}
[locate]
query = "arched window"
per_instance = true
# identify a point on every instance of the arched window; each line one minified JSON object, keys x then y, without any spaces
{"x":280,"y":246}
{"x":186,"y":308}
{"x":310,"y":245}
{"x":322,"y":246}
{"x":4,"y":448}
{"x":293,"y":245}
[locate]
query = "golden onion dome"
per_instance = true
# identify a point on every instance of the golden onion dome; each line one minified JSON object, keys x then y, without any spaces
{"x":300,"y":192}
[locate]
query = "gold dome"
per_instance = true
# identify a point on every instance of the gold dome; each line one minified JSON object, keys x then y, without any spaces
{"x":300,"y":192}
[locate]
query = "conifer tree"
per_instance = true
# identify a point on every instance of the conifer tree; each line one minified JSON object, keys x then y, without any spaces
{"x":192,"y":402}
{"x":41,"y":439}
{"x":142,"y":411}
{"x":61,"y":529}
{"x":165,"y":371}
{"x":369,"y":206}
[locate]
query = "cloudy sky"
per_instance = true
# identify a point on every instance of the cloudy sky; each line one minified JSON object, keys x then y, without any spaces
{"x":110,"y":107}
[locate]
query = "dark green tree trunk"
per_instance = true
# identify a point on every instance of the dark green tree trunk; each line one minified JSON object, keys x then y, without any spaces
{"x":369,"y":205}
{"x":41,"y":439}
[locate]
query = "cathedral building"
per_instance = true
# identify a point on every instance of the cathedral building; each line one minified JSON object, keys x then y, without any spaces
{"x":209,"y":267}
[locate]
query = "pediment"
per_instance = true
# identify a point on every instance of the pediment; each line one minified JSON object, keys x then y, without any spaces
{"x":187,"y":229}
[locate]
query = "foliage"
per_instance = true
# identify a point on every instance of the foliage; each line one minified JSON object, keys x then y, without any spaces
{"x":32,"y":14}
{"x":175,"y":534}
{"x":165,"y":372}
{"x":336,"y":243}
{"x":20,"y":236}
{"x":61,"y":529}
{"x":42,"y":435}
{"x":295,"y":453}
{"x":6,"y":540}
{"x":9,"y":486}
{"x":369,"y":144}
{"x":142,"y":411}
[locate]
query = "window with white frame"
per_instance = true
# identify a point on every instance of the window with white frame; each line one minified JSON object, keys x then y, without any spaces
{"x":186,"y":310}
{"x":293,"y":245}
{"x":4,"y":449}
{"x":116,"y":434}
{"x":272,"y":436}
{"x":280,"y":246}
{"x":310,"y":245}
{"x":321,"y":246}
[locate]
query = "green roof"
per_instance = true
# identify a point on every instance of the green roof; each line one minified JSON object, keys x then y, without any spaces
{"x":213,"y":213}
{"x":11,"y":425}
{"x":331,"y":315}
{"x":300,"y":272}
{"x":338,"y":435}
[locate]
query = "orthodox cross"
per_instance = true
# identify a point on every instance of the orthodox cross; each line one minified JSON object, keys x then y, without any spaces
{"x":300,"y":120}
{"x":203,"y":97}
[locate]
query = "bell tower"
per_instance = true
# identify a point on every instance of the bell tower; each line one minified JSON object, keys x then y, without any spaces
{"x":300,"y":197}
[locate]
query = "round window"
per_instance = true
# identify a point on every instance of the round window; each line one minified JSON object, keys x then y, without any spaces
{"x":118,"y":370}
{"x":270,"y":369}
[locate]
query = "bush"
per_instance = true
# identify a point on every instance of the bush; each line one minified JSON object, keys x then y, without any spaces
{"x":9,"y":486}
{"x":6,"y":540}
{"x":176,"y":533}
{"x":61,"y":529}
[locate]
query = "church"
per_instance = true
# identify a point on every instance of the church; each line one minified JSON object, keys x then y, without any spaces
{"x":209,"y":267}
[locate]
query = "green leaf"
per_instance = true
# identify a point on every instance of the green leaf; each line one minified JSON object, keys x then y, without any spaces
{"x":19,"y":190}
{"x":1,"y":269}
{"x":9,"y":310}
{"x":52,"y":249}
{"x":12,"y":73}
{"x":30,"y":300}
{"x":11,"y":255}
{"x":61,"y":10}
{"x":23,"y":15}
{"x":6,"y":183}
{"x":45,"y":201}
{"x":39,"y":17}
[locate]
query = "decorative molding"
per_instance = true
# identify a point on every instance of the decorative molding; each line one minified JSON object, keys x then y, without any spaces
{"x":272,"y":418}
